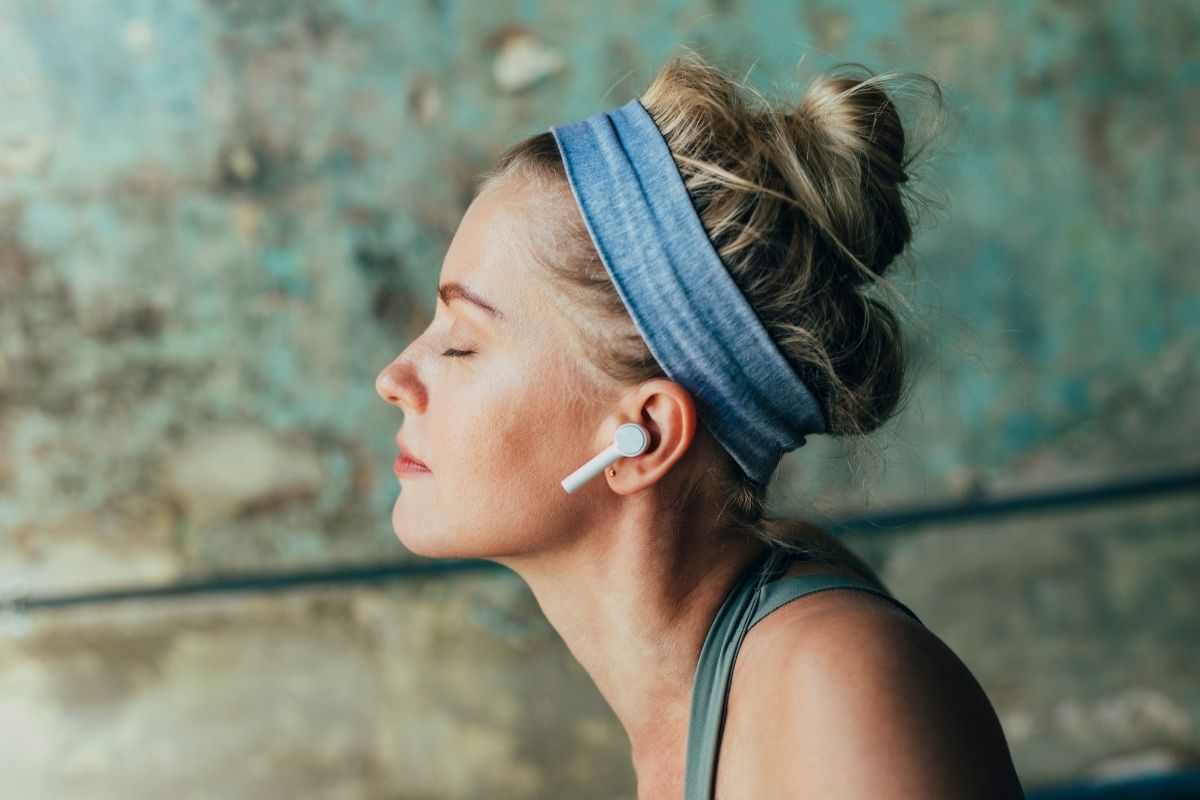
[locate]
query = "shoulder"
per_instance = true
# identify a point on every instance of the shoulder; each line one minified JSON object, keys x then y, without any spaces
{"x":850,"y":697}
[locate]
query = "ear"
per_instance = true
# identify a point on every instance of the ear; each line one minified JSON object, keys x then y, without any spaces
{"x":665,"y":409}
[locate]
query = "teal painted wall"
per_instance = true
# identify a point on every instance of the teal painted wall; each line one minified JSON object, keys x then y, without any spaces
{"x":219,"y":220}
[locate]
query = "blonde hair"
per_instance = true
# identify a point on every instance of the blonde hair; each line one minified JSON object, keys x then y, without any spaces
{"x":806,"y":210}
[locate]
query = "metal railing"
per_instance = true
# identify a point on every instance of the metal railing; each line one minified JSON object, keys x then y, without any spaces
{"x":891,"y":522}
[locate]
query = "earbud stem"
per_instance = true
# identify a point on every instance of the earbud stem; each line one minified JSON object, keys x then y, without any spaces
{"x":591,"y":469}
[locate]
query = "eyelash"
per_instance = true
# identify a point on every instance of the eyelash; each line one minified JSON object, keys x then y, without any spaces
{"x":457,"y":353}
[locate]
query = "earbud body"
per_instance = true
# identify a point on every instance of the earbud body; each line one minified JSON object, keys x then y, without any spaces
{"x":630,"y":439}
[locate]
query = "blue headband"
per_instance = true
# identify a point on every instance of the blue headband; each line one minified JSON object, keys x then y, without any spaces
{"x":691,"y":314}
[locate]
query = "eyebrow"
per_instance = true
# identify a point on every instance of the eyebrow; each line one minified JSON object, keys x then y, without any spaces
{"x":457,"y":291}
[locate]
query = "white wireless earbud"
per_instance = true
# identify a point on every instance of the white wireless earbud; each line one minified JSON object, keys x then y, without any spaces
{"x":630,"y":439}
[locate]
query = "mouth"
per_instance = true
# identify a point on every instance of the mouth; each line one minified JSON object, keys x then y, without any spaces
{"x":403,"y":465}
{"x":407,"y":462}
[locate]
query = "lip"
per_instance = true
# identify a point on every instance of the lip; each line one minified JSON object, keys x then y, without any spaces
{"x":407,"y":463}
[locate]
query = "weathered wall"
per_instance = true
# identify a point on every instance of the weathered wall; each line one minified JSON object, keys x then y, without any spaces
{"x":219,"y":220}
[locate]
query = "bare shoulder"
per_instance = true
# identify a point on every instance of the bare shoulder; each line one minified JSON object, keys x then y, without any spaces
{"x":843,"y":695}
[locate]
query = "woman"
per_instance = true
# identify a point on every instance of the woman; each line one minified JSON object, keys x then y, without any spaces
{"x":695,"y":266}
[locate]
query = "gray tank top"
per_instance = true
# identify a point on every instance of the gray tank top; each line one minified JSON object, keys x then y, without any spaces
{"x":757,"y":593}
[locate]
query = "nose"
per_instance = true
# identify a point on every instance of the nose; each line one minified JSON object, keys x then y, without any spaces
{"x":398,"y":385}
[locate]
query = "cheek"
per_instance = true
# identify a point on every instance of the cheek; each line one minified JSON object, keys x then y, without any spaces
{"x":476,"y":423}
{"x":502,"y":443}
{"x":514,"y":430}
{"x":504,"y":437}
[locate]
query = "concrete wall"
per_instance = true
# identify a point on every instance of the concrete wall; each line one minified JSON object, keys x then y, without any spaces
{"x":219,"y":220}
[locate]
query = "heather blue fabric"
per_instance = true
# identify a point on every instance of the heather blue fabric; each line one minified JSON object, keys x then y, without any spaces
{"x":693,"y":317}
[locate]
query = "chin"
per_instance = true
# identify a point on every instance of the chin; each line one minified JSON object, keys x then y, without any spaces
{"x":419,"y":537}
{"x":431,"y":534}
{"x":424,"y":546}
{"x":431,"y":537}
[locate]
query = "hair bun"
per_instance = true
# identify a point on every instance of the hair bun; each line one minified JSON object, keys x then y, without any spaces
{"x":850,"y":135}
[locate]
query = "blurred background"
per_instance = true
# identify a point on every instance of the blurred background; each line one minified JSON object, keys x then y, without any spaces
{"x":220,"y":219}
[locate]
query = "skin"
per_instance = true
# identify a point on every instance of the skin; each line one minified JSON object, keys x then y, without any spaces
{"x":629,"y":576}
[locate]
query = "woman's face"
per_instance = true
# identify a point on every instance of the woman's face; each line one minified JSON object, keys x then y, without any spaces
{"x":497,"y":426}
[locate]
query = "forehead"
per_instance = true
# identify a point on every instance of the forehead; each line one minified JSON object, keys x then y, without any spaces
{"x":490,"y":254}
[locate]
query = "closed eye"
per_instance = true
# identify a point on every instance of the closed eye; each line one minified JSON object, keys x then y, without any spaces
{"x":457,"y":353}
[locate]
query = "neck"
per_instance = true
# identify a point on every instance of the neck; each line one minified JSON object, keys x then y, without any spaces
{"x":633,"y":604}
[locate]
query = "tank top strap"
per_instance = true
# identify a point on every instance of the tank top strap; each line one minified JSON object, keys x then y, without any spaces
{"x":781,"y":591}
{"x":713,"y":672}
{"x":754,"y":595}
